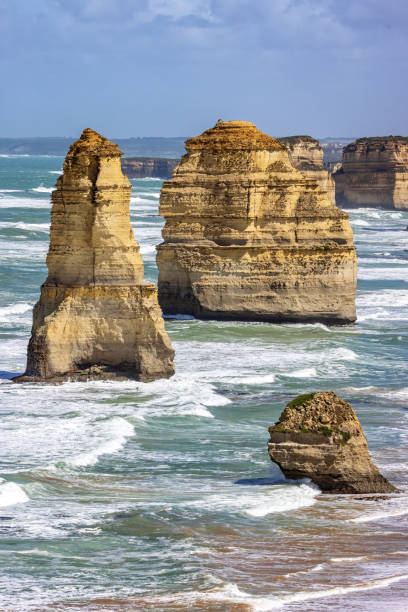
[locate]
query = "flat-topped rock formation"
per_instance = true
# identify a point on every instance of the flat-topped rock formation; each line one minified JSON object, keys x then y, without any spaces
{"x":306,"y":155}
{"x":96,"y":318}
{"x":374,"y":172}
{"x":248,"y":237}
{"x":319,"y":436}
{"x":146,"y":167}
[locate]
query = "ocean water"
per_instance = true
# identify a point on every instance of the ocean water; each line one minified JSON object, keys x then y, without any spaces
{"x":161,"y":496}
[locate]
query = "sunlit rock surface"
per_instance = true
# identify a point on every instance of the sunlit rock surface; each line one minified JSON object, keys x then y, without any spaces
{"x":306,"y":155}
{"x":374,"y":172}
{"x":248,"y":237}
{"x":96,"y":318}
{"x":319,"y":436}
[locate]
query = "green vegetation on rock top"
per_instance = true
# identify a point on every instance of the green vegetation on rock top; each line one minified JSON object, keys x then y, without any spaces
{"x":300,"y":400}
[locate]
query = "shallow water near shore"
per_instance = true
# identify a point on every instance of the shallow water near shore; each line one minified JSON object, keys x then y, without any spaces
{"x":161,"y":496}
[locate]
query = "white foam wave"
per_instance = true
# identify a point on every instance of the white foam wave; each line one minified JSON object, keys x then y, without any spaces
{"x":9,"y":190}
{"x":304,"y":373}
{"x":119,"y":430}
{"x":31,"y":227}
{"x":345,"y":354}
{"x":34,"y":551}
{"x":397,"y":394}
{"x":373,"y":213}
{"x":231,"y":592}
{"x":360,"y":222}
{"x":394,"y":298}
{"x":147,"y":249}
{"x":394,"y":553}
{"x":315,"y":568}
{"x":348,"y":559}
{"x":380,"y":260}
{"x":144,"y":201}
{"x":379,"y":273}
{"x":55,"y":171}
{"x":42,"y":189}
{"x":252,"y":380}
{"x":11,"y":494}
{"x":181,"y":395}
{"x":15,"y":202}
{"x":15,"y":155}
{"x":150,"y":194}
{"x":7,"y":312}
{"x":284,"y":499}
{"x":377,"y":516}
{"x":378,"y":314}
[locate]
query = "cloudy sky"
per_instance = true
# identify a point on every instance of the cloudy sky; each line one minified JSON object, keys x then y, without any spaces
{"x":173,"y":67}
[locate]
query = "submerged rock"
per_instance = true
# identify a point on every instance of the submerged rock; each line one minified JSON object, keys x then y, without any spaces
{"x":374,"y":172}
{"x":306,"y":155}
{"x":96,"y":318}
{"x":248,"y":237}
{"x":319,"y":436}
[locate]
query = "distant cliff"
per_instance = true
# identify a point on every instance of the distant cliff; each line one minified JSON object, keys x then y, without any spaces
{"x":306,"y":155}
{"x":146,"y":146}
{"x":374,"y":172}
{"x":144,"y":167}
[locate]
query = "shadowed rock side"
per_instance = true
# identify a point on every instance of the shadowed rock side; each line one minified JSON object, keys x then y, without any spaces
{"x":319,"y":436}
{"x":374,"y":172}
{"x":96,"y":318}
{"x":306,"y":155}
{"x":248,"y":237}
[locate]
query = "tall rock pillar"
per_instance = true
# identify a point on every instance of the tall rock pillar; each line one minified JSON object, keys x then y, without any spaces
{"x":96,"y":318}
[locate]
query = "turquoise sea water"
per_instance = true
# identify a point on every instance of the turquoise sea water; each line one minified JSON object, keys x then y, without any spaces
{"x":161,"y":496}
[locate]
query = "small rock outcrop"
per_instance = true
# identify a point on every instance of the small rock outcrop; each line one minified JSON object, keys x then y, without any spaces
{"x":248,"y":237}
{"x":149,"y":167}
{"x":374,"y":172}
{"x":319,"y":436}
{"x":96,"y":318}
{"x":306,"y":155}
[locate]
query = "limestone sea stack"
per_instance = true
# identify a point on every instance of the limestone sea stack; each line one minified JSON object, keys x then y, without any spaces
{"x":95,"y":318}
{"x":247,"y":237}
{"x":374,"y":172}
{"x":306,"y":155}
{"x":319,"y":436}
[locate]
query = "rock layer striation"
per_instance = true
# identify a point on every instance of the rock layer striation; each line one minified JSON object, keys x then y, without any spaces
{"x":306,"y":155}
{"x":248,"y":237}
{"x":95,"y":318}
{"x":319,"y":436}
{"x":374,"y":172}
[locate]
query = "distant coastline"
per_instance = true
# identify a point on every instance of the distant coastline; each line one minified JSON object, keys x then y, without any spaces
{"x":151,"y":147}
{"x":59,"y":145}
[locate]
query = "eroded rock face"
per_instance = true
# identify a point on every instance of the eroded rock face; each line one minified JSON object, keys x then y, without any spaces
{"x":374,"y":173}
{"x":306,"y":155}
{"x":248,"y":237}
{"x":319,"y":436}
{"x":96,"y":318}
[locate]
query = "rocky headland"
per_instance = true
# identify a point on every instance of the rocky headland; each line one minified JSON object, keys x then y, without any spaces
{"x":149,"y":167}
{"x":306,"y":155}
{"x":248,"y":237}
{"x":95,"y":318}
{"x":319,"y":436}
{"x":374,"y":172}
